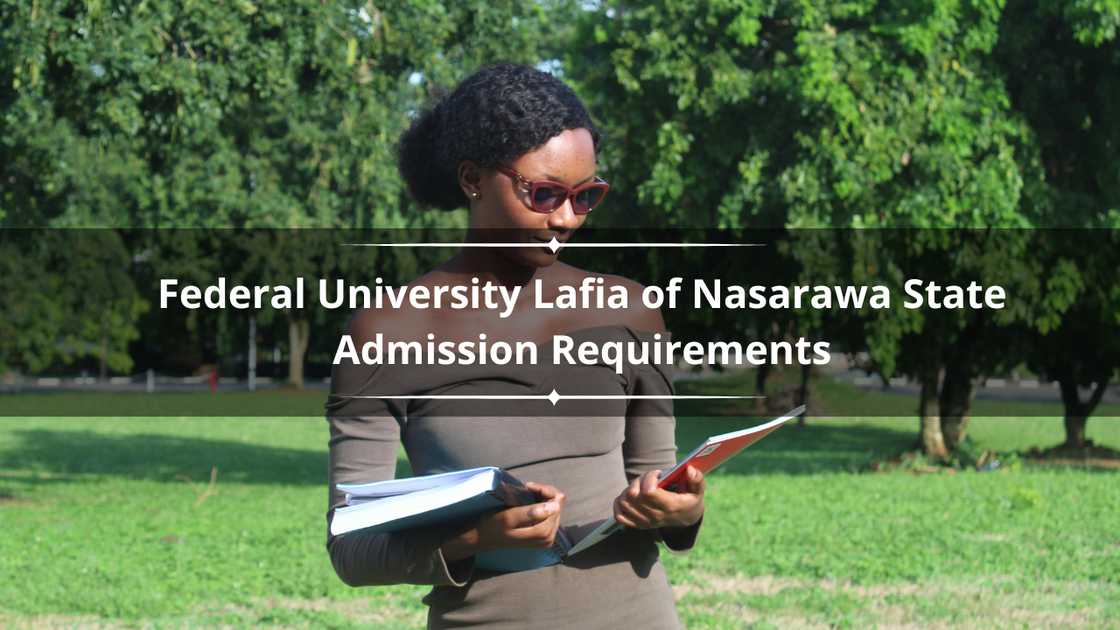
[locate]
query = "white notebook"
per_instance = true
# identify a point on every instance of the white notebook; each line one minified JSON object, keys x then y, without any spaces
{"x":447,"y":498}
{"x":391,"y":487}
{"x":398,"y":504}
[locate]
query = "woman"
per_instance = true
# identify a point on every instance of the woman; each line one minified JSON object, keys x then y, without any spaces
{"x":519,"y":148}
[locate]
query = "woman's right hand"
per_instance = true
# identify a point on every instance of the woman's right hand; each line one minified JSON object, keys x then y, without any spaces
{"x":531,"y":526}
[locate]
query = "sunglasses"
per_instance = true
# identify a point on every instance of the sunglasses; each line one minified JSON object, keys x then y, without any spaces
{"x":546,"y":196}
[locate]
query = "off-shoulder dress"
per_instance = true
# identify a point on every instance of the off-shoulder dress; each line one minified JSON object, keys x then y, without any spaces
{"x":589,"y":449}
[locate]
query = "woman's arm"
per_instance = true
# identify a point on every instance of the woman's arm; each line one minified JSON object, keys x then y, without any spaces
{"x":649,"y":447}
{"x":363,"y":449}
{"x":364,"y":440}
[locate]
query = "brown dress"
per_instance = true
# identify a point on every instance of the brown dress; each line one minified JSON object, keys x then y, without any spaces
{"x":587,"y":449}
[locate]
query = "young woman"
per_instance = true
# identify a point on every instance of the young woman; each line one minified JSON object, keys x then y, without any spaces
{"x":518,"y":147}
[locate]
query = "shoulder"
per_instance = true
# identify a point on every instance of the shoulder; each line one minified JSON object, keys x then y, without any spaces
{"x":397,"y":324}
{"x":367,"y":322}
{"x":637,"y":316}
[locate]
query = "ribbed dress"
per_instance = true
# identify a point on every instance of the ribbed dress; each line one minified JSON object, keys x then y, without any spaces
{"x":589,"y":449}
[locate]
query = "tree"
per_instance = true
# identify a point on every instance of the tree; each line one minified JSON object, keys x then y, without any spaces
{"x":240,"y":114}
{"x":849,"y":116}
{"x":67,"y":299}
{"x":1062,"y":64}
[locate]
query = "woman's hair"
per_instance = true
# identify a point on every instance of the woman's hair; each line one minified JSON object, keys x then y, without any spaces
{"x":493,"y":117}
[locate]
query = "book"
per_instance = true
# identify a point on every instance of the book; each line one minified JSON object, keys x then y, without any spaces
{"x":445,"y":498}
{"x":706,"y":457}
{"x":364,"y":492}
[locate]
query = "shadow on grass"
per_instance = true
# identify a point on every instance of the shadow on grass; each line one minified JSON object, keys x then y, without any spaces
{"x":1090,"y":457}
{"x":65,"y":456}
{"x":271,"y":403}
{"x":47,"y":457}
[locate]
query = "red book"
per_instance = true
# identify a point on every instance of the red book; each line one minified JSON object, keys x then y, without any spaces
{"x":706,"y":457}
{"x":720,"y":448}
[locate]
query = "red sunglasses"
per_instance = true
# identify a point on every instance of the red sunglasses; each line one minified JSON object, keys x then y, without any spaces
{"x":546,"y":196}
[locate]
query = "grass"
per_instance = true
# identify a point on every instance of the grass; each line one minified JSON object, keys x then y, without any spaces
{"x":115,"y":522}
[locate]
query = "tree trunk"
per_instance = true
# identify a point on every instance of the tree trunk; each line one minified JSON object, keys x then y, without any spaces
{"x":1077,"y":412}
{"x":252,"y":353}
{"x":803,"y":392}
{"x":760,"y":377}
{"x":955,"y":402}
{"x":933,"y":442}
{"x":1075,"y":431}
{"x":103,"y":359}
{"x":299,"y":330}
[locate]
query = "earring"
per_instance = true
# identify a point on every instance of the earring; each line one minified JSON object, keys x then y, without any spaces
{"x":476,"y":195}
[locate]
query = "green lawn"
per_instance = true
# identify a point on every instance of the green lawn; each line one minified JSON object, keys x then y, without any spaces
{"x":113,"y":522}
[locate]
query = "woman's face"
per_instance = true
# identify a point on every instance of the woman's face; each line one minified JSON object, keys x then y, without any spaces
{"x":502,"y":206}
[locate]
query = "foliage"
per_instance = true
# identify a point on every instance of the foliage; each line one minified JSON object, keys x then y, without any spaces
{"x":1061,"y":61}
{"x":855,"y":115}
{"x":244,"y":114}
{"x":68,"y":300}
{"x":232,"y":114}
{"x":734,"y":114}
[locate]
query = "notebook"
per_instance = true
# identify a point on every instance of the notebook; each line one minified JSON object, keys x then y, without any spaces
{"x":397,"y":504}
{"x":364,"y":492}
{"x":705,"y":457}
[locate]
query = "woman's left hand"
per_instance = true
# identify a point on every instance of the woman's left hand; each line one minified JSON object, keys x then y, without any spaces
{"x":645,"y":506}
